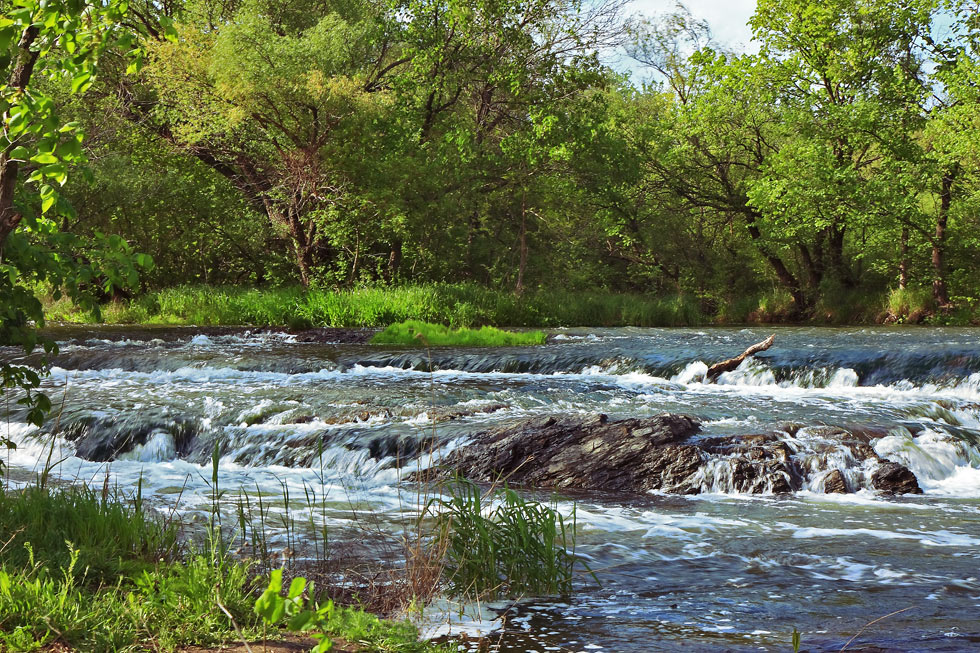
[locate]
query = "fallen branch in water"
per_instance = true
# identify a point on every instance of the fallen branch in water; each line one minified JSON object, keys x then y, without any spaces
{"x":728,"y":365}
{"x":871,"y":623}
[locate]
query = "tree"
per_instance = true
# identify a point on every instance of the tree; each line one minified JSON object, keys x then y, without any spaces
{"x":848,"y":77}
{"x":45,"y":43}
{"x":953,"y":149}
{"x":286,"y":98}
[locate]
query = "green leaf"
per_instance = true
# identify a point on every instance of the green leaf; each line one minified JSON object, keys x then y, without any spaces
{"x":81,"y":82}
{"x":44,"y":157}
{"x":55,"y":171}
{"x":304,"y":620}
{"x":296,"y":587}
{"x":7,"y":34}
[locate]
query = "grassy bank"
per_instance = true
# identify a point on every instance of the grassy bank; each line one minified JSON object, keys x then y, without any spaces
{"x":101,"y":571}
{"x":468,"y":305}
{"x":457,"y":305}
{"x":88,"y":571}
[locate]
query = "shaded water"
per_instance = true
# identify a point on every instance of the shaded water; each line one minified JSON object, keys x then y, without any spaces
{"x":716,"y":571}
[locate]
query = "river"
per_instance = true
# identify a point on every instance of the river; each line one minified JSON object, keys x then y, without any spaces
{"x":716,"y":571}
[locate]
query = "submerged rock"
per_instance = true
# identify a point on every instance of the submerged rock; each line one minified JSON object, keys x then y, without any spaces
{"x":103,"y":439}
{"x":651,"y":453}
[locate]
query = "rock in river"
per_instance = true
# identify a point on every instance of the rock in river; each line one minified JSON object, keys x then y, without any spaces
{"x":590,"y":452}
{"x":892,"y":478}
{"x":639,"y":455}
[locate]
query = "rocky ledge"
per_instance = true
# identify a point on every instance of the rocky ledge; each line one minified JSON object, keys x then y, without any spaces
{"x":652,"y":453}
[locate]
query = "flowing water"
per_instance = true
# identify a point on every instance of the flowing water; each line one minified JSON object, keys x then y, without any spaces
{"x":716,"y":571}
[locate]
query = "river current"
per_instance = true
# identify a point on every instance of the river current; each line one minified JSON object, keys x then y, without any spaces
{"x":715,"y":571}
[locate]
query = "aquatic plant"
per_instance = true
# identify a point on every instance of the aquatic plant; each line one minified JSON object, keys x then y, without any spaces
{"x":413,"y":332}
{"x":500,"y":544}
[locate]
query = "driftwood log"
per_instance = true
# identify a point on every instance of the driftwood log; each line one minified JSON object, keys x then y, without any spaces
{"x":728,"y":365}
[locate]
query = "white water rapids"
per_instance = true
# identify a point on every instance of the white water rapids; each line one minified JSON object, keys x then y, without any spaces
{"x":715,"y":571}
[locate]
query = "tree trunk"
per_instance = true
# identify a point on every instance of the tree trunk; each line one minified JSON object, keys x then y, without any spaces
{"x":304,"y":261}
{"x":939,"y":291}
{"x":783,"y":273}
{"x":469,"y":269}
{"x":813,"y":270}
{"x":9,"y":168}
{"x":303,"y":237}
{"x":394,"y":261}
{"x":903,"y":263}
{"x":519,"y":289}
{"x":835,"y":246}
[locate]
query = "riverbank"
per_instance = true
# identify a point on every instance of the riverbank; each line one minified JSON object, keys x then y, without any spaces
{"x":80,"y":570}
{"x":469,"y":305}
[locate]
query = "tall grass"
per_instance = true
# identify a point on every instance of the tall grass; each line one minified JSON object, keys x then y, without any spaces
{"x":500,"y":544}
{"x":903,"y":303}
{"x":109,"y":536}
{"x":457,"y":305}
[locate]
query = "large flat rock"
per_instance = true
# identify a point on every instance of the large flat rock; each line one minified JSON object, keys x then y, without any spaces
{"x":592,"y":452}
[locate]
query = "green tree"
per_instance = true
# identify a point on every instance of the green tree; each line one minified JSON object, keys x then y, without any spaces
{"x":287,"y":99}
{"x":847,"y":76}
{"x":45,"y":43}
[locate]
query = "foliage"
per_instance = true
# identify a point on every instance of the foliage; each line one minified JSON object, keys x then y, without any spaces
{"x":424,"y":334}
{"x":468,"y":149}
{"x":501,"y":544}
{"x":45,"y":45}
{"x":274,"y":608}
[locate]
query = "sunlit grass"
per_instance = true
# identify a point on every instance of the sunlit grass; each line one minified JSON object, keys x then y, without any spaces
{"x":414,"y":332}
{"x":457,"y":305}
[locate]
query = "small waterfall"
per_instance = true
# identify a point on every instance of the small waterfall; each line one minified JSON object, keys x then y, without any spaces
{"x":940,"y":461}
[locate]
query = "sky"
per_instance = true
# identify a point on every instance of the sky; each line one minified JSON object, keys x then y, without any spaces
{"x":727,"y":18}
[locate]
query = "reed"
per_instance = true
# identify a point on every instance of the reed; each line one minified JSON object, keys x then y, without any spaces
{"x":498,"y":543}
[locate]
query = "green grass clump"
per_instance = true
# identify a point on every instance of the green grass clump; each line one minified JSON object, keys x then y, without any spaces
{"x":165,"y":607}
{"x":413,"y":332}
{"x":101,"y":573}
{"x":904,"y":302}
{"x":500,"y":544}
{"x":376,"y":634}
{"x":108,"y":536}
